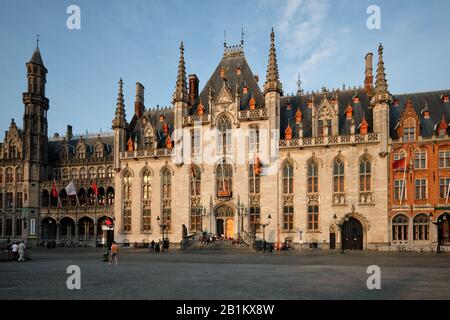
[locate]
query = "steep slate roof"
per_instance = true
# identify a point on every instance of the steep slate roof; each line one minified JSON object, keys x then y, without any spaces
{"x":436,"y":107}
{"x":36,"y":58}
{"x":55,"y":145}
{"x":230,"y":62}
{"x":343,"y":99}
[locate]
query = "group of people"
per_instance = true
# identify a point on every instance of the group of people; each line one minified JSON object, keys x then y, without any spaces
{"x":159,"y":246}
{"x":212,"y":238}
{"x":18,"y":250}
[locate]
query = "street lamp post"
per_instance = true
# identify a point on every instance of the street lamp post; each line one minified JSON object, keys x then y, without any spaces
{"x":163,"y":227}
{"x":340,"y":225}
{"x":241,"y":211}
{"x":264,"y":225}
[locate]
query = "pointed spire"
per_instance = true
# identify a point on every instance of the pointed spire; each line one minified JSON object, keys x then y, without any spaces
{"x":181,"y":92}
{"x":381,"y":87}
{"x":36,"y":57}
{"x":272,"y":78}
{"x":119,"y":120}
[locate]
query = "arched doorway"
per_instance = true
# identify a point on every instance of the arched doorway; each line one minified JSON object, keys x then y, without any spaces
{"x":48,"y":229}
{"x":352,"y":235}
{"x":225,"y":220}
{"x":86,"y":229}
{"x":67,"y":229}
{"x":444,"y":229}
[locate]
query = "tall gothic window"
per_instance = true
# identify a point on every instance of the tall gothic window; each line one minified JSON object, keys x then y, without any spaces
{"x":126,"y":219}
{"x":195,"y":180}
{"x":81,"y":152}
{"x":224,"y":136}
{"x":254,"y":178}
{"x":224,"y":179}
{"x":146,"y":201}
{"x":19,"y":174}
{"x":313,"y":177}
{"x":255,"y":218}
{"x":338,"y":176}
{"x":83,"y":174}
{"x":254,"y":139}
{"x":313,"y":218}
{"x":101,"y":173}
{"x":421,"y":226}
{"x":110,"y":196}
{"x":365,"y":174}
{"x":288,"y":217}
{"x":288,"y":178}
{"x":195,"y":142}
{"x":110,"y":172}
{"x":9,"y":176}
{"x":444,"y":159}
{"x":166,"y":197}
{"x":92,"y":173}
{"x":400,"y":228}
{"x":99,"y":151}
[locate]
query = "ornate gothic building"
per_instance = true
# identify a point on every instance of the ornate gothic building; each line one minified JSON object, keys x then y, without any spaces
{"x":237,"y":158}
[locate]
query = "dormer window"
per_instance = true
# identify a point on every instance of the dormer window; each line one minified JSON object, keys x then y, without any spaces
{"x":148,"y":139}
{"x":99,"y":152}
{"x":409,"y":130}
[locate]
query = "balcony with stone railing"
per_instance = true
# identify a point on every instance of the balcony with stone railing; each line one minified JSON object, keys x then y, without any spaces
{"x":152,"y":153}
{"x":255,"y":114}
{"x":107,"y":209}
{"x":196,"y":118}
{"x":330,"y":141}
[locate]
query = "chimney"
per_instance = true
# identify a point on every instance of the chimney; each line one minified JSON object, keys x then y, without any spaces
{"x":139,"y":101}
{"x":257,"y":78}
{"x":69,"y":133}
{"x":56,"y":135}
{"x":193,"y":88}
{"x":368,"y":81}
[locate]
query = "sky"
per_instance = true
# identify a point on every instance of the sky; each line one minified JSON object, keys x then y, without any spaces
{"x":323,"y":40}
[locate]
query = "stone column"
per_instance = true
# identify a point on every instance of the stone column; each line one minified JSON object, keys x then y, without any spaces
{"x":95,"y":233}
{"x":76,"y":230}
{"x":57,"y":230}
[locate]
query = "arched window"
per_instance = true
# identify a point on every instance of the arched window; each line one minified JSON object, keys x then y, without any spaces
{"x":146,"y":186}
{"x":92,"y":173}
{"x":63,"y":197}
{"x":74,"y":174}
{"x":365,"y":174}
{"x":101,"y":196}
{"x":146,"y":201}
{"x":99,"y":151}
{"x":224,"y":138}
{"x":91,"y":196}
{"x":9,"y":176}
{"x":45,"y":199}
{"x":253,"y":145}
{"x":57,"y":174}
{"x":65,"y":174}
{"x":195,"y":180}
{"x":83,"y":174}
{"x":288,"y":178}
{"x":166,"y":197}
{"x":338,"y":176}
{"x":421,"y":225}
{"x":110,"y":196}
{"x":1,"y":175}
{"x":19,"y":174}
{"x":110,"y":172}
{"x":101,"y":173}
{"x":82,"y":197}
{"x":420,"y":159}
{"x":313,"y":177}
{"x":126,"y":217}
{"x":224,"y":180}
{"x":400,"y":228}
{"x":81,"y":152}
{"x":254,"y":177}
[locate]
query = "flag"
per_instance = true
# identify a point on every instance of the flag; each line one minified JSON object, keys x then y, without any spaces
{"x":54,"y":191}
{"x":257,"y":166}
{"x":94,"y":188}
{"x":71,"y":190}
{"x":108,"y":222}
{"x":399,"y":164}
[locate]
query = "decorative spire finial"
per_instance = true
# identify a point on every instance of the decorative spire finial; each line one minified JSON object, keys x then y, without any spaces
{"x":381,"y":86}
{"x":272,"y":77}
{"x":181,"y":93}
{"x":119,"y":120}
{"x":37,"y":41}
{"x":242,"y":36}
{"x":224,"y":38}
{"x":299,"y":85}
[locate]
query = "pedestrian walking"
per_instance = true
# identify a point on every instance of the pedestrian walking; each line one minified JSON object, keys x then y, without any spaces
{"x":15,"y":251}
{"x":22,"y":247}
{"x":114,"y":252}
{"x":152,"y":246}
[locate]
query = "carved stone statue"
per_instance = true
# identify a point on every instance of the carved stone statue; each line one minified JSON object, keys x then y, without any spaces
{"x":184,"y":232}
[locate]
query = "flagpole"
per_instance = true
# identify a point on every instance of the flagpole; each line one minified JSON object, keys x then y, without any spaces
{"x":448,"y":192}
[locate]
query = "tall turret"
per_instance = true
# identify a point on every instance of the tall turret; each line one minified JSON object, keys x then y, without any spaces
{"x":119,"y":125}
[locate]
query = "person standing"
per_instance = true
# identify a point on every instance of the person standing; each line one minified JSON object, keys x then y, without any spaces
{"x":114,"y":252}
{"x":22,"y":247}
{"x":15,"y":249}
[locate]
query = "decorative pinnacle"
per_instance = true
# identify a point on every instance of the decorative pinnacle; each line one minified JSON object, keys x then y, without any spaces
{"x":272,"y":77}
{"x":381,"y":87}
{"x":119,"y":120}
{"x":180,"y":94}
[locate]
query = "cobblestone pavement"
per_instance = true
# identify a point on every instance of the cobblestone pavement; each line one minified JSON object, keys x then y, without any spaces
{"x":226,"y":274}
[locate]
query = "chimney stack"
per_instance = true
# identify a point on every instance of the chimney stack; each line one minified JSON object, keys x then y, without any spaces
{"x":139,"y":101}
{"x":193,"y":88}
{"x":69,"y":133}
{"x":368,"y":81}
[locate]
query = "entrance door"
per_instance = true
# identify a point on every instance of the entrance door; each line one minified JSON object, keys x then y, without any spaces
{"x":352,"y":235}
{"x":230,"y":228}
{"x":332,"y":241}
{"x":444,"y":230}
{"x":219,"y":227}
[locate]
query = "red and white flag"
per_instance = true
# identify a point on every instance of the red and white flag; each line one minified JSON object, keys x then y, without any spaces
{"x":399,"y":164}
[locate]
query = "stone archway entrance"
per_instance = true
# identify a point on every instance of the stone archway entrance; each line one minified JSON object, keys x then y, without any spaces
{"x":225,"y":220}
{"x":352,"y":235}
